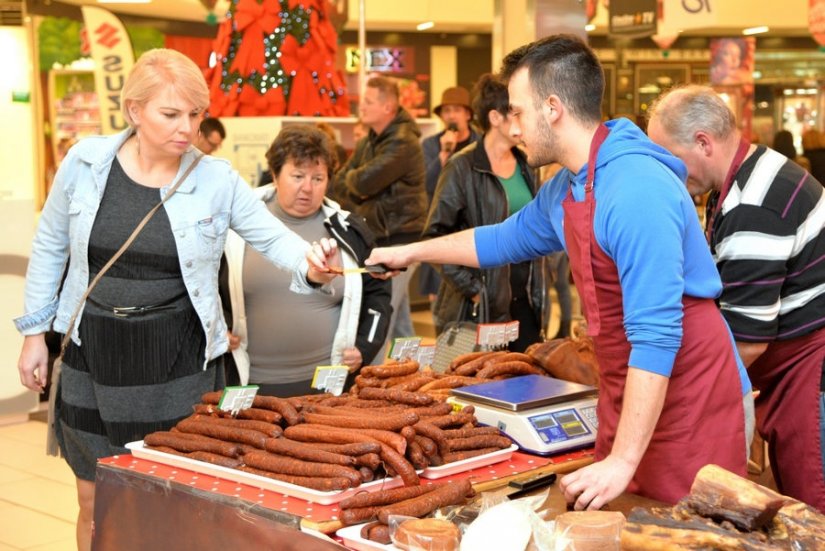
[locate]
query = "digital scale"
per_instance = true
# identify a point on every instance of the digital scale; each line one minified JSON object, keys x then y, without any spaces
{"x":541,"y":414}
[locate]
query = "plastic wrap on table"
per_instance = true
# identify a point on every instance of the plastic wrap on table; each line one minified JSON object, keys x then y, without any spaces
{"x":136,"y":512}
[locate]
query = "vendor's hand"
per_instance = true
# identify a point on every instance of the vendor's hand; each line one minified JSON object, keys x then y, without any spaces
{"x":320,"y":256}
{"x":592,"y":487}
{"x":352,"y":359}
{"x":393,"y":258}
{"x":33,"y":364}
{"x":234,"y":340}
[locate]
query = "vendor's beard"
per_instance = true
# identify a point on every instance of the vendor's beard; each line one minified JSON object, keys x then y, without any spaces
{"x":545,"y":148}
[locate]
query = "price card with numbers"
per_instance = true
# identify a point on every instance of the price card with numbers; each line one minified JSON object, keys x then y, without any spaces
{"x":492,"y":334}
{"x":426,"y":355}
{"x":330,"y":378}
{"x":511,"y":330}
{"x":405,"y":348}
{"x":236,"y":398}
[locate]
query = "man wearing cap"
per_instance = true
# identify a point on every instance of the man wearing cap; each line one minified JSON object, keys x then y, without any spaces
{"x":456,"y":114}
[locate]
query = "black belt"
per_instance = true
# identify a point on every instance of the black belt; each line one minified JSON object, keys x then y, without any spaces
{"x":129,"y":311}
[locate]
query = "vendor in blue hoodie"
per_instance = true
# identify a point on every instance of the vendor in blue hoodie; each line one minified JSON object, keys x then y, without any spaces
{"x":673,"y":391}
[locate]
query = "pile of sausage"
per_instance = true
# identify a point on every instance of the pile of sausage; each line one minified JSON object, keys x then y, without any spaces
{"x":375,"y":508}
{"x":331,"y":443}
{"x":464,"y":370}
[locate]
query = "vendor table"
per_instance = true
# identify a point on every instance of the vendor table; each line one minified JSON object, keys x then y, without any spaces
{"x":141,"y":504}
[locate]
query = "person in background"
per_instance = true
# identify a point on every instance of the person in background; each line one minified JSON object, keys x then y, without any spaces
{"x":359,"y":130}
{"x":279,"y":353}
{"x":150,"y":337}
{"x":383,"y":182}
{"x":338,"y":160}
{"x":766,"y":233}
{"x":668,"y":376}
{"x":211,"y":135}
{"x":484,"y":183}
{"x":558,"y":266}
{"x":456,"y":114}
{"x":340,"y":152}
{"x":783,"y":143}
{"x":813,"y":148}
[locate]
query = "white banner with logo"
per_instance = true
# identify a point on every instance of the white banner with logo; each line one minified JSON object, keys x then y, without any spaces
{"x":113,"y":57}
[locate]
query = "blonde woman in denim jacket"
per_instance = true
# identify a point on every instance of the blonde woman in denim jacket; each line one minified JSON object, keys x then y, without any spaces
{"x":149,"y":338}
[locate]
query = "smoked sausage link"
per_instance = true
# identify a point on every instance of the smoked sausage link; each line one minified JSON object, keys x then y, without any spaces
{"x":228,"y":434}
{"x":324,"y":484}
{"x":183,"y":444}
{"x":299,"y":450}
{"x":400,"y":396}
{"x":384,"y":422}
{"x":509,"y":368}
{"x":287,"y":465}
{"x":383,"y":497}
{"x":442,"y":495}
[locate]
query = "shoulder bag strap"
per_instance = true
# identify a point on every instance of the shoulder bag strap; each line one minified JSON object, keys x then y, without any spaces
{"x":67,"y":337}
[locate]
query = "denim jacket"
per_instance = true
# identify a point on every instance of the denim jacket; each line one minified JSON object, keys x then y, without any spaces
{"x":213,"y":199}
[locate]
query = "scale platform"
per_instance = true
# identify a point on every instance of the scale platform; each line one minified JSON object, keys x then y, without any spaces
{"x":541,"y":414}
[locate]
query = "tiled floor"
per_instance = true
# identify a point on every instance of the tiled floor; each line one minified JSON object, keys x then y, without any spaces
{"x":38,"y":503}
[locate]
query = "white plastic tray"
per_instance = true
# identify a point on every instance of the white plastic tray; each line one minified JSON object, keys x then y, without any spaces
{"x":293,"y":490}
{"x":353,"y":540}
{"x":470,"y":463}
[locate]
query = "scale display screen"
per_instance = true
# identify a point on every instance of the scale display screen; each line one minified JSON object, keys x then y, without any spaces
{"x":559,"y":426}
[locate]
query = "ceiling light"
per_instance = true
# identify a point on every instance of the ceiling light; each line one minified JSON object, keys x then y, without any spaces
{"x":425,"y":25}
{"x":756,"y":30}
{"x":124,"y":1}
{"x":590,"y":27}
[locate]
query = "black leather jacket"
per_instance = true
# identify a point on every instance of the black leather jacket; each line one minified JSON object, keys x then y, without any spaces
{"x":470,"y":195}
{"x":383,"y":182}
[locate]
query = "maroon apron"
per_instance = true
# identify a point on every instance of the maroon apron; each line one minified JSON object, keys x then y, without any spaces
{"x":702,"y":420}
{"x":790,"y":368}
{"x":787,"y":375}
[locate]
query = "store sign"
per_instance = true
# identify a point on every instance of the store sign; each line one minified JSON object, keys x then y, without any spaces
{"x":816,"y":20}
{"x":113,"y":57}
{"x":383,"y":59}
{"x":632,"y":18}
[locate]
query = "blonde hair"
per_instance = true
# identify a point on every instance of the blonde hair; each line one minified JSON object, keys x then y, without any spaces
{"x":155,"y":70}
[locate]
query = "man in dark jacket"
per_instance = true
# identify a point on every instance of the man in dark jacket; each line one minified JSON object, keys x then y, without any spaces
{"x":383,"y":181}
{"x":456,"y":114}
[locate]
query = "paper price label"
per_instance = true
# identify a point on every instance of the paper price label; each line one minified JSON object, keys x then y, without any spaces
{"x":426,"y":355}
{"x":405,"y":348}
{"x":330,"y":378}
{"x":492,"y":334}
{"x":511,"y":331}
{"x":236,"y":398}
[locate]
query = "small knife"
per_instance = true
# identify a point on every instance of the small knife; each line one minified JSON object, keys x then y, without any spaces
{"x":518,"y":488}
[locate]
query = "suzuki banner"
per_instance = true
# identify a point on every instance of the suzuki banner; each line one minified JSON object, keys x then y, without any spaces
{"x":113,"y":57}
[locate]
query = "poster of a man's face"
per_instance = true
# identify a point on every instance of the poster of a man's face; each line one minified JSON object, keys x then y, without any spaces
{"x":732,"y":60}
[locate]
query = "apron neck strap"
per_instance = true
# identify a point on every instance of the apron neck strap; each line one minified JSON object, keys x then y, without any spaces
{"x":598,"y":139}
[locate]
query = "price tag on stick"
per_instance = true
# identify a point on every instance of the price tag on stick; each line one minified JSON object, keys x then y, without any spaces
{"x":330,"y":378}
{"x":236,"y":398}
{"x":405,"y":348}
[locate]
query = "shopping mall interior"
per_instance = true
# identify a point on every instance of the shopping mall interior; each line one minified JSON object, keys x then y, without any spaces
{"x":48,"y":100}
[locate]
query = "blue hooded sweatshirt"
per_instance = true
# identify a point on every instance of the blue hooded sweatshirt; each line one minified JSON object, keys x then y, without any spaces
{"x":645,"y":221}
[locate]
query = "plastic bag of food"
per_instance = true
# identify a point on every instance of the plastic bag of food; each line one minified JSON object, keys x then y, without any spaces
{"x":424,"y":534}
